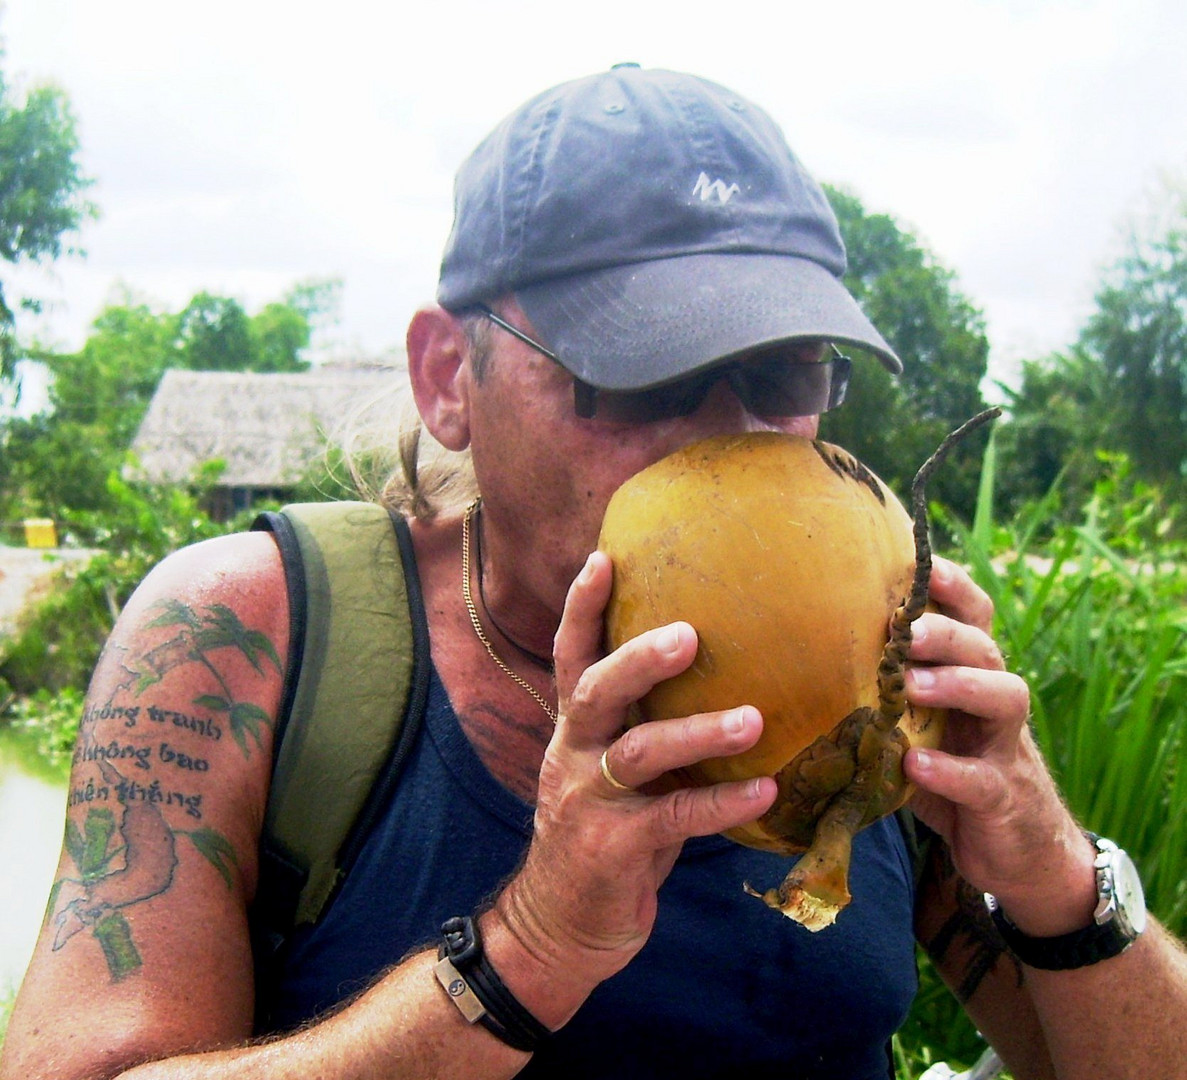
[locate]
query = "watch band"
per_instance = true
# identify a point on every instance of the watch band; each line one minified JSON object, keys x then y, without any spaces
{"x":1080,"y":948}
{"x":475,"y":988}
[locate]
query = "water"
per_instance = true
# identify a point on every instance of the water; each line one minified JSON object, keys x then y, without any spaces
{"x":32,"y":817}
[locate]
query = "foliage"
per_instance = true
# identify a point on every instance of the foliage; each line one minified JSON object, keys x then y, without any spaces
{"x":1057,"y":421}
{"x":1121,"y":388}
{"x":59,"y":644}
{"x":1108,"y":694}
{"x":41,"y":186}
{"x":55,"y":464}
{"x":894,"y":425}
{"x":48,"y":720}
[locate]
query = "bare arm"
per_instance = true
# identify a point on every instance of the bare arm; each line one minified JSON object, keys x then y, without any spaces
{"x":989,"y":794}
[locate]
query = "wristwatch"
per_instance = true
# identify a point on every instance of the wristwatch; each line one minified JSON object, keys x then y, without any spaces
{"x":1119,"y":918}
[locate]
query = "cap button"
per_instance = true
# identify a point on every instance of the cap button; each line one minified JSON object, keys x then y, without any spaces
{"x":624,"y":64}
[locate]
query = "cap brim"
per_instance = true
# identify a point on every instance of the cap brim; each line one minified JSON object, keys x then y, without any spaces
{"x":644,"y":324}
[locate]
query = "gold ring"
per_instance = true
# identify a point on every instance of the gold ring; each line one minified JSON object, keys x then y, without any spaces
{"x":608,"y":776}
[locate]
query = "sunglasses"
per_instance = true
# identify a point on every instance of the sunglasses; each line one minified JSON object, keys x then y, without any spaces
{"x":772,"y":383}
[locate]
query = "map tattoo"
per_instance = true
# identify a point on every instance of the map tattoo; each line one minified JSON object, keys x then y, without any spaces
{"x":116,"y":872}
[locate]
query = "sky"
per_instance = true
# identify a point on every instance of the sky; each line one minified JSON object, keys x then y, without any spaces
{"x":243,"y":146}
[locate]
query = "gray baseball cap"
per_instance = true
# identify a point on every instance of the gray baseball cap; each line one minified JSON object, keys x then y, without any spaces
{"x":650,"y":224}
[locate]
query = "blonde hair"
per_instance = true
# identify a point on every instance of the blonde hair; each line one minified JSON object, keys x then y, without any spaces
{"x":417,"y":477}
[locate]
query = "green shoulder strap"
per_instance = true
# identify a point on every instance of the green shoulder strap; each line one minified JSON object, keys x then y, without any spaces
{"x":357,"y":679}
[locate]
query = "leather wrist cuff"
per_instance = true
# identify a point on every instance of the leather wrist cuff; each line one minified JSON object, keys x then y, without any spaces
{"x":478,"y":992}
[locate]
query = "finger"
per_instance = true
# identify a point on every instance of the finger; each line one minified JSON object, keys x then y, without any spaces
{"x":969,"y":782}
{"x":938,"y":639}
{"x":646,"y":752}
{"x":578,"y":641}
{"x":954,"y":591}
{"x":689,"y":812}
{"x":596,"y":708}
{"x":998,"y":696}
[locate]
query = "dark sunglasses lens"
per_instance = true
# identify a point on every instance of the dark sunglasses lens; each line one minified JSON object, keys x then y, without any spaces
{"x":772,"y":389}
{"x":646,"y":406}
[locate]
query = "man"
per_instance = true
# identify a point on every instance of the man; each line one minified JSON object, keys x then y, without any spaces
{"x":616,"y":239}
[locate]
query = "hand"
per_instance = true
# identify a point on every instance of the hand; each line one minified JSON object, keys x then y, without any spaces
{"x":586,"y":895}
{"x":987,"y":791}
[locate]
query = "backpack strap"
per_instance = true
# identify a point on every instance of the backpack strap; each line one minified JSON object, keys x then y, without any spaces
{"x":354,"y":696}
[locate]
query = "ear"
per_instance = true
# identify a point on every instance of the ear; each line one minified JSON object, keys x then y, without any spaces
{"x":439,"y":369}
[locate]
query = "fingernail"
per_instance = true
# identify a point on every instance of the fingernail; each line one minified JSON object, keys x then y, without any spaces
{"x":586,"y":570}
{"x":923,"y":760}
{"x":918,"y":632}
{"x":734,"y":722}
{"x":923,"y":678}
{"x":754,"y":788}
{"x":668,"y":640}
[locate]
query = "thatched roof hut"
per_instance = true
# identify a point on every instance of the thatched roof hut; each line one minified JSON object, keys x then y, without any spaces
{"x":267,"y":429}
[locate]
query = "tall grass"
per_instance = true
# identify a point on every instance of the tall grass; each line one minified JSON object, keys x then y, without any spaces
{"x":1094,"y":617}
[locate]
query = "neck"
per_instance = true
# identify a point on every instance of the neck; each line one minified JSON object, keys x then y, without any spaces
{"x":540,"y":659}
{"x":512,"y":603}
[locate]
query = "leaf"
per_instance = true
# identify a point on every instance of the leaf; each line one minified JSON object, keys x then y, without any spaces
{"x":246,"y":719}
{"x":225,"y":629}
{"x":217,"y":850}
{"x":174,"y":613}
{"x":74,"y":843}
{"x":52,"y":902}
{"x":115,"y":938}
{"x":98,"y":830}
{"x":213,"y":701}
{"x":261,"y":643}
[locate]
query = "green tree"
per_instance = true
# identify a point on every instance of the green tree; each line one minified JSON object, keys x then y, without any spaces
{"x":1058,"y":413}
{"x":41,"y":191}
{"x":1138,"y":336}
{"x":1121,"y":388}
{"x":57,"y":463}
{"x":214,"y":335}
{"x":61,"y":457}
{"x":894,"y":424}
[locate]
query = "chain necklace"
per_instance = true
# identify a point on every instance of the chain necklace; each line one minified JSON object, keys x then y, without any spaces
{"x":519,"y":681}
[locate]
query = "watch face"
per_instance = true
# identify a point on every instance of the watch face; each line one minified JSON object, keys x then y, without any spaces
{"x":1128,"y":889}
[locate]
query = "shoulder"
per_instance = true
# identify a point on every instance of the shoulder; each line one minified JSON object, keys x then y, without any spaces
{"x":244,"y":569}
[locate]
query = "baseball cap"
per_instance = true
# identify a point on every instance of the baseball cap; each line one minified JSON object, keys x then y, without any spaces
{"x":650,"y":224}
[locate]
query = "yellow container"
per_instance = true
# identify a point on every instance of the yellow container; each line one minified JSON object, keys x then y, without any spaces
{"x":40,"y":533}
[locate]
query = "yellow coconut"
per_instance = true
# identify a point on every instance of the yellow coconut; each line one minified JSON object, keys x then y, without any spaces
{"x":789,"y":558}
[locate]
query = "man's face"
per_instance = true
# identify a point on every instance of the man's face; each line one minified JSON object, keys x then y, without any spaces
{"x":546,"y":474}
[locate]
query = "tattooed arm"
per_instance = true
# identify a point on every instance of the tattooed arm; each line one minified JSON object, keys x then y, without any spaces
{"x":954,"y":928}
{"x":989,"y":794}
{"x":144,"y":948}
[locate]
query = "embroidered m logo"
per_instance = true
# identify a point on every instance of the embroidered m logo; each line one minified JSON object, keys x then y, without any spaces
{"x":707,"y":188}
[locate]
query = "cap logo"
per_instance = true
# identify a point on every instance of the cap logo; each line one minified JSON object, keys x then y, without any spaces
{"x":706,"y":189}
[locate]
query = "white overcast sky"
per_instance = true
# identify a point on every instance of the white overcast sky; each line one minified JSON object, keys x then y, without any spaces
{"x":240,"y":146}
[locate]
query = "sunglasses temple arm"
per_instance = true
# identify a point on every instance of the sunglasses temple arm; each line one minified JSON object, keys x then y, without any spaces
{"x":515,"y":332}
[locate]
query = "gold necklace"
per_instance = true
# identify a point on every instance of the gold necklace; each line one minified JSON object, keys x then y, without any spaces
{"x":519,"y":681}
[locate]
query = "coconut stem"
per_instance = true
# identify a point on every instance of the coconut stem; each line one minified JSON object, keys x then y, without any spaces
{"x":891,"y":680}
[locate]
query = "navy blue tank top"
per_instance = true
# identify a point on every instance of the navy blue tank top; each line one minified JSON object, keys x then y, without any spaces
{"x":724,"y":986}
